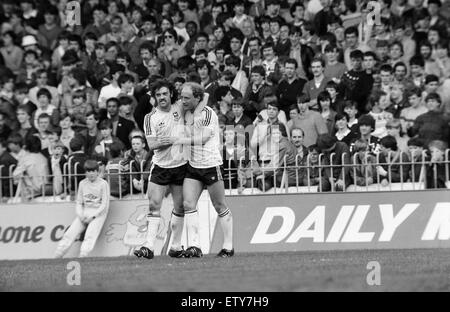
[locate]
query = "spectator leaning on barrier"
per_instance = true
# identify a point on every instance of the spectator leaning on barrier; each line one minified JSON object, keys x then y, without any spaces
{"x":437,"y":172}
{"x":416,"y":154}
{"x":138,"y":161}
{"x":234,"y":155}
{"x":363,"y":170}
{"x":393,"y":167}
{"x":32,"y":171}
{"x":57,"y":162}
{"x":337,"y":154}
{"x":76,"y":163}
{"x":312,"y":174}
{"x":6,"y":162}
{"x":282,"y":152}
{"x":117,"y":178}
{"x":300,"y":154}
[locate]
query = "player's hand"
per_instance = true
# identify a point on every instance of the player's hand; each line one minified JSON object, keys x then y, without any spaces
{"x":384,"y":182}
{"x":167,"y":140}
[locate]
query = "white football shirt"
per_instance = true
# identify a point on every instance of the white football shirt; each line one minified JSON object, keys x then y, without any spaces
{"x":159,"y":123}
{"x":207,"y":155}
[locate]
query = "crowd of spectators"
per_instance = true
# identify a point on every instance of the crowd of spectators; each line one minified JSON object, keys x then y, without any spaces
{"x":307,"y":92}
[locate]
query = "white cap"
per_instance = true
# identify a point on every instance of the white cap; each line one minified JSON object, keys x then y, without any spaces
{"x":28,"y":40}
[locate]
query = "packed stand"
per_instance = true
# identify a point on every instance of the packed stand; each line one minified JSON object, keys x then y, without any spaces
{"x":312,"y":93}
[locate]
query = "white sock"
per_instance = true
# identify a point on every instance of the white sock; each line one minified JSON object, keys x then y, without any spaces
{"x":192,"y":225}
{"x":152,"y":230}
{"x":226,"y":222}
{"x":176,"y":225}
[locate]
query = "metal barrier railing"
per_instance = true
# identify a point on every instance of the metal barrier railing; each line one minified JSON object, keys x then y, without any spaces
{"x":287,"y":178}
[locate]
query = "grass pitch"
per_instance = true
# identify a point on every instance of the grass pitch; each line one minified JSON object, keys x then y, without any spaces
{"x":401,"y":270}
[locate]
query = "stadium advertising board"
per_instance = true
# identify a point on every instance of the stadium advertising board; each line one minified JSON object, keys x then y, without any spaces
{"x":32,"y":231}
{"x":290,"y":222}
{"x":339,"y":221}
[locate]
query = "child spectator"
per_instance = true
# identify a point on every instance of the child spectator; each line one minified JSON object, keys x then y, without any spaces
{"x":363,"y":170}
{"x":312,"y":175}
{"x":437,"y":171}
{"x":418,"y":157}
{"x":118,"y":180}
{"x":394,"y":165}
{"x":139,"y":159}
{"x":92,"y":205}
{"x":337,"y":171}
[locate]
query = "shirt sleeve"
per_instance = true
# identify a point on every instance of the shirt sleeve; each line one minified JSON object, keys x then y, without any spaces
{"x":206,"y":120}
{"x":149,"y":127}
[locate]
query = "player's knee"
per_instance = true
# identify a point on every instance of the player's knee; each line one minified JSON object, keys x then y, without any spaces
{"x":219,"y":205}
{"x":154,"y":205}
{"x":178,"y":210}
{"x":189,"y":205}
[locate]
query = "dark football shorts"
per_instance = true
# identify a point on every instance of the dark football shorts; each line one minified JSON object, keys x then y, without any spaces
{"x":207,"y":176}
{"x":166,"y":176}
